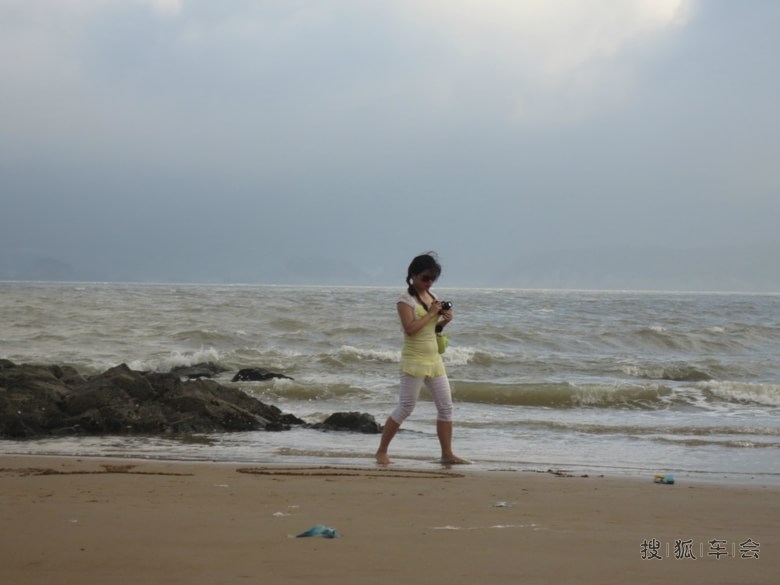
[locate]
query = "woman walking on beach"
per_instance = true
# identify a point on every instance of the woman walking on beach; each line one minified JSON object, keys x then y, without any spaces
{"x":422,"y":317}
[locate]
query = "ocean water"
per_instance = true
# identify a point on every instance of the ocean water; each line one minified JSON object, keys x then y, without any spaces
{"x":586,"y":382}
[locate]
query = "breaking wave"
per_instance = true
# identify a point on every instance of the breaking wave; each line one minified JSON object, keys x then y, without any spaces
{"x":563,"y":395}
{"x":704,"y":395}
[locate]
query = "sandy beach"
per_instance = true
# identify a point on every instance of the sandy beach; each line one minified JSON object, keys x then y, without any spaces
{"x":97,"y":521}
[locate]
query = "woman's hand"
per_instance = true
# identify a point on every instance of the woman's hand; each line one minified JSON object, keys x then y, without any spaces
{"x":435,"y":309}
{"x":446,"y":317}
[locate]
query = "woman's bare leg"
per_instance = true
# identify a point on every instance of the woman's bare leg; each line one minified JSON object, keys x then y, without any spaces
{"x":444,"y":431}
{"x":408,"y":394}
{"x":391,"y":428}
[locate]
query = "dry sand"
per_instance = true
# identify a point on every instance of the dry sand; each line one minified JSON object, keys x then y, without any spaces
{"x":98,"y":521}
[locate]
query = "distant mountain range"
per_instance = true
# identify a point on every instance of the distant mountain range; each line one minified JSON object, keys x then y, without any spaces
{"x":749,"y":269}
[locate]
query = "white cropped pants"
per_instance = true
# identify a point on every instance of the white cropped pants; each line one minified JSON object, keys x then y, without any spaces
{"x":439,"y":388}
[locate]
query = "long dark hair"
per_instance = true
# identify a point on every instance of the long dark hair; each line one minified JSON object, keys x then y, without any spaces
{"x":428,"y":261}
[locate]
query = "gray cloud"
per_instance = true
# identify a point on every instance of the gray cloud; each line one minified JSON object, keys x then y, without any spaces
{"x":331,"y":141}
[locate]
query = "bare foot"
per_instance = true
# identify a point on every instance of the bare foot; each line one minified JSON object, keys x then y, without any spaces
{"x":454,"y":460}
{"x":383,"y":459}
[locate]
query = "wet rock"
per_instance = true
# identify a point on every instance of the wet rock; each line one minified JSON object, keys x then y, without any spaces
{"x":31,"y":397}
{"x":202,"y":370}
{"x":256,"y":375}
{"x":357,"y":422}
{"x":42,"y":400}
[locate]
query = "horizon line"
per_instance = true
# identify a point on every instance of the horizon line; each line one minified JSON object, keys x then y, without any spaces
{"x":385,"y":286}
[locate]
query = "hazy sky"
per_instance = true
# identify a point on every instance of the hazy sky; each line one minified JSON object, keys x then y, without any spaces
{"x":579,"y":143}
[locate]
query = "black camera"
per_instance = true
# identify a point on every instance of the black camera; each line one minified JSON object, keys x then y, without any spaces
{"x":446,"y":305}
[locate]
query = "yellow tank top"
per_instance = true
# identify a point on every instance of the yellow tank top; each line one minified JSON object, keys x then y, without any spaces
{"x":420,"y":354}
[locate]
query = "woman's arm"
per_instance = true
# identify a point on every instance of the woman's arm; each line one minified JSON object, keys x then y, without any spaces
{"x":446,"y":317}
{"x":413,"y":326}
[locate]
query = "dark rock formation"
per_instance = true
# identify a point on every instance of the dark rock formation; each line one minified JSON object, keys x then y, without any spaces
{"x":203,"y":370}
{"x":43,"y":400}
{"x":256,"y":375}
{"x":358,"y":422}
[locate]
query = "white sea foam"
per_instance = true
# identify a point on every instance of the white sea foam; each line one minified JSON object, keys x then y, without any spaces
{"x":459,"y":356}
{"x":370,"y":354}
{"x":744,"y":392}
{"x":176,"y":359}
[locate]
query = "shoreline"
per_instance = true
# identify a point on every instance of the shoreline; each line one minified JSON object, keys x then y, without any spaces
{"x":725,"y":478}
{"x":91,"y":520}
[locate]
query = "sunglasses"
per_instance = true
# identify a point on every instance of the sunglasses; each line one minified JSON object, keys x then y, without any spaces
{"x":427,"y":278}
